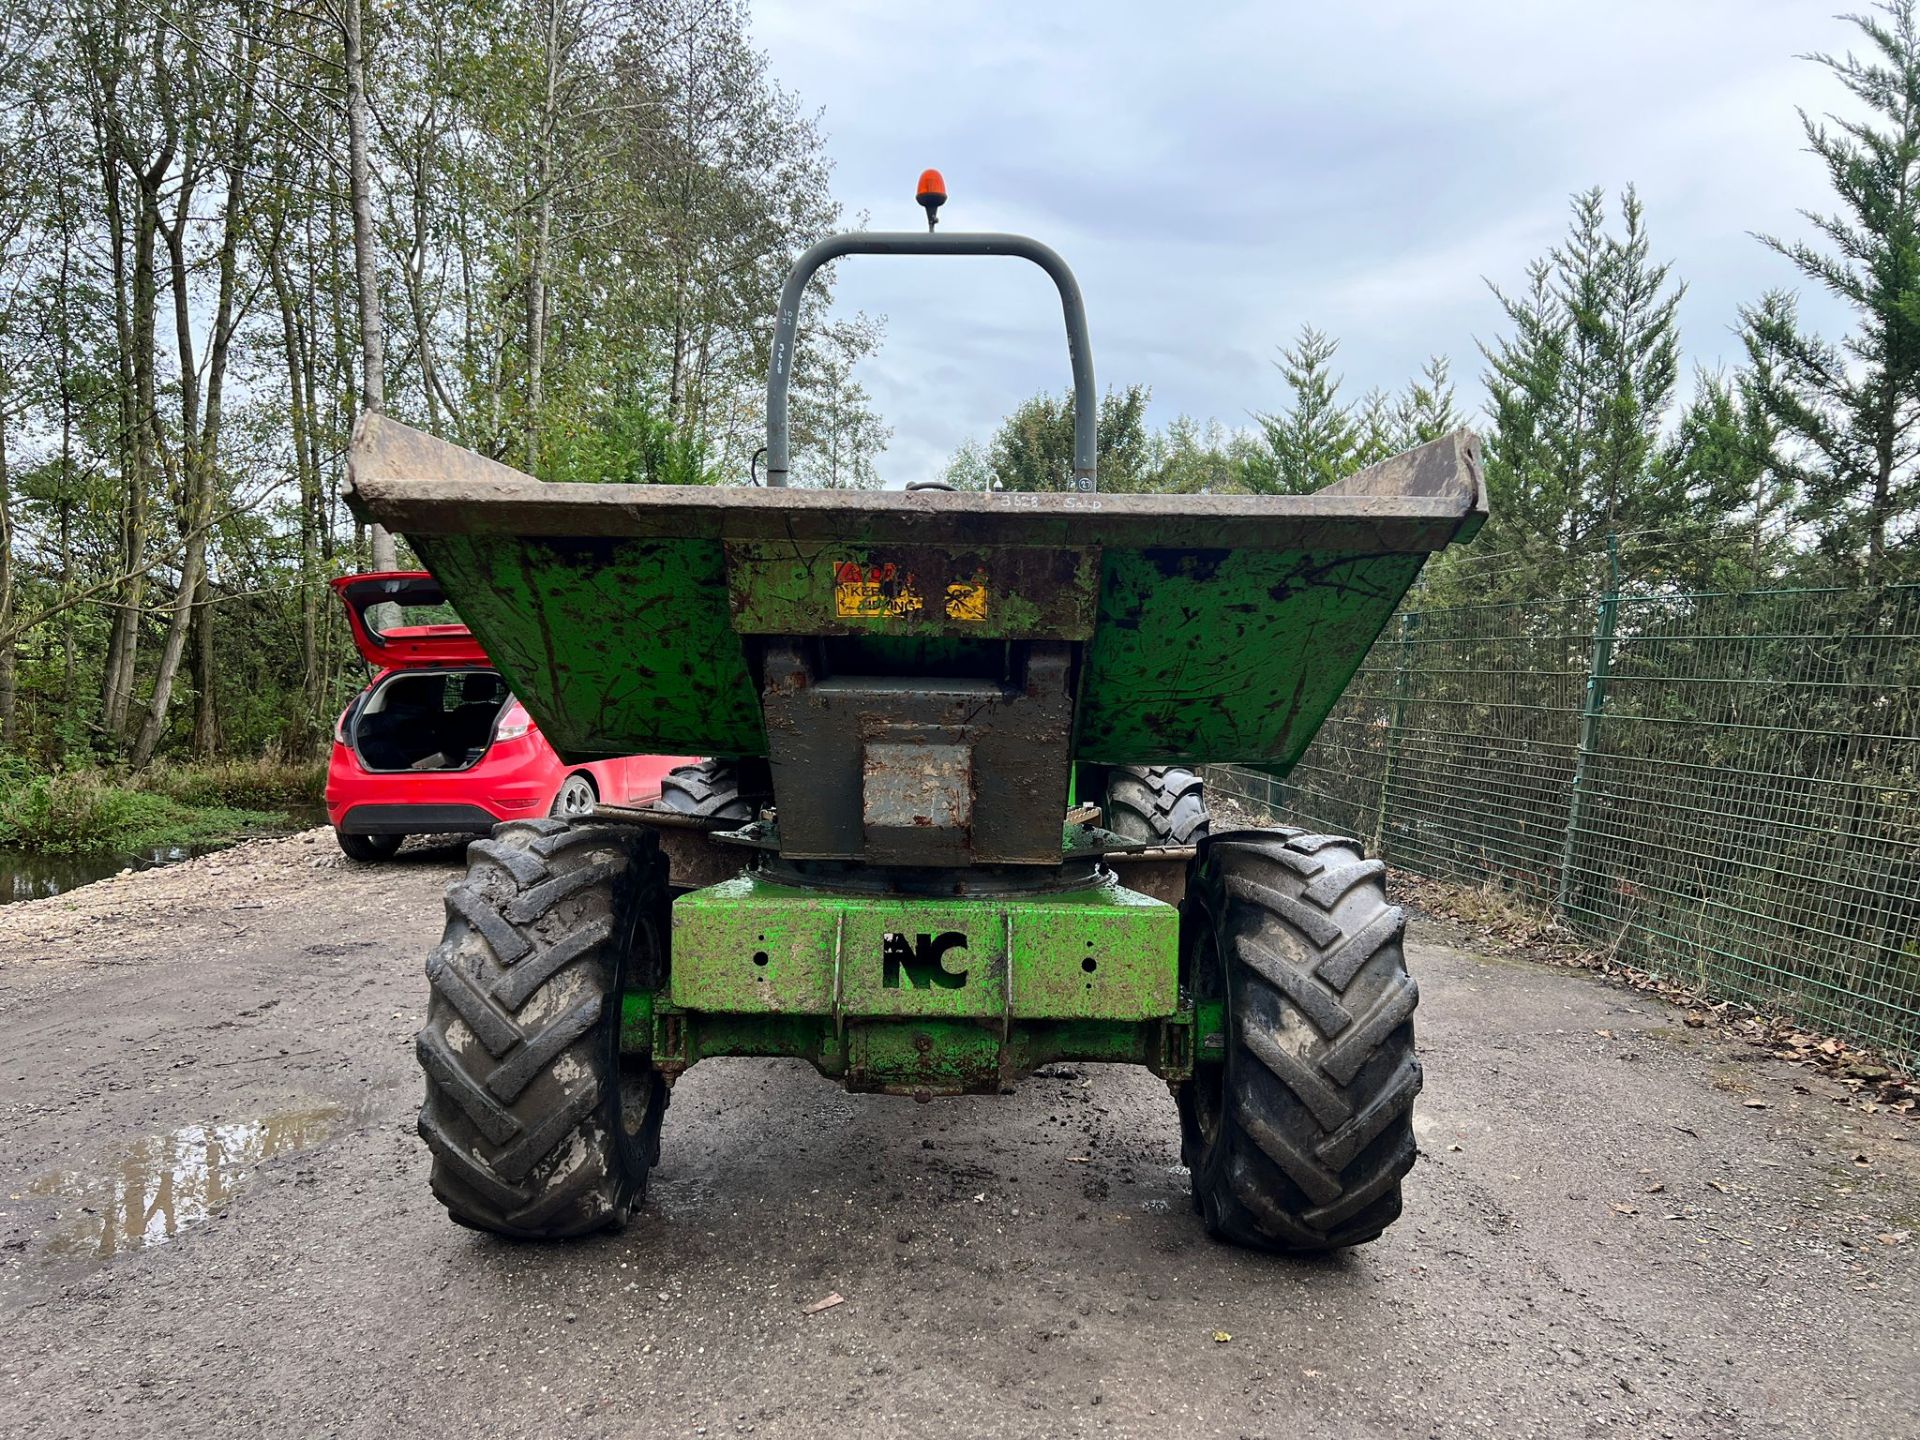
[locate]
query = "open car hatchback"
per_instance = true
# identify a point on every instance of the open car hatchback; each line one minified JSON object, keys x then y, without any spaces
{"x":436,"y":743}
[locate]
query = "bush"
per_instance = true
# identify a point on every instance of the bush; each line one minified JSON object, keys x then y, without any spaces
{"x":264,"y":782}
{"x":64,"y":813}
{"x":75,"y":812}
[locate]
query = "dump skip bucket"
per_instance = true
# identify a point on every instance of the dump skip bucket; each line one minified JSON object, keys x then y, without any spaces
{"x":1206,"y":628}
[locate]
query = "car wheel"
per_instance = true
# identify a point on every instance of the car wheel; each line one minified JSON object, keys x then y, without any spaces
{"x":368,"y":848}
{"x":575,"y":800}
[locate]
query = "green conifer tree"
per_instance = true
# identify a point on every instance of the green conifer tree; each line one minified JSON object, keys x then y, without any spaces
{"x":1851,"y":411}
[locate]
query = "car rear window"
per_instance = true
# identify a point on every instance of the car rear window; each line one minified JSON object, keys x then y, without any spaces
{"x":410,"y":617}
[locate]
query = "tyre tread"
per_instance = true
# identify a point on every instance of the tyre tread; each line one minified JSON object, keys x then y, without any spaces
{"x":1164,"y":804}
{"x":708,"y":788}
{"x":1316,"y":1130}
{"x":517,"y":1046}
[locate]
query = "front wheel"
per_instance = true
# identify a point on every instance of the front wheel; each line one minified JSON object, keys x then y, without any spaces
{"x":540,"y":1127}
{"x":368,"y":848}
{"x":1299,"y":1139}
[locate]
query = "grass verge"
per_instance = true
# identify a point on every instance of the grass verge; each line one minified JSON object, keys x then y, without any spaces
{"x":81,"y":812}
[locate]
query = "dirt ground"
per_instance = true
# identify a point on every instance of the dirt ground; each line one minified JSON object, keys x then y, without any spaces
{"x":1618,"y":1226}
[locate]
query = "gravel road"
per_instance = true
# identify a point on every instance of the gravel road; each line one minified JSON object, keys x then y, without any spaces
{"x":214,"y":1220}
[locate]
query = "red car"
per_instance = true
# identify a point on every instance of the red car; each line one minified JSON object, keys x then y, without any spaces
{"x":436,"y":744}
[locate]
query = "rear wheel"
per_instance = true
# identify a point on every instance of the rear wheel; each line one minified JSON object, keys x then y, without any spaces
{"x":711,"y":789}
{"x":368,"y":848}
{"x":1298,"y":1141}
{"x":540,"y":1128}
{"x":575,"y":798}
{"x":1159,"y":803}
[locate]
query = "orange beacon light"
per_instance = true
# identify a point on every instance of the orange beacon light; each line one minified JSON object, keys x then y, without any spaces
{"x":932,"y":194}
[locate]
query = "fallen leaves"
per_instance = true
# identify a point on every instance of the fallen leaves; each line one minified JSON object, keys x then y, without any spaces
{"x":1221,"y":1337}
{"x":1872,"y":1083}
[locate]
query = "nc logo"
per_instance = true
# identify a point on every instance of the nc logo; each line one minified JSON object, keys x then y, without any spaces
{"x":921,"y":961}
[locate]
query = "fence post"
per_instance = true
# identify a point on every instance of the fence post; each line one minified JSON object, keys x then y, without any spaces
{"x":1599,"y":669}
{"x":1409,"y":620}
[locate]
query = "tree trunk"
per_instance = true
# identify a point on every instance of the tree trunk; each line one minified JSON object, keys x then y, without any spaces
{"x":145,"y":421}
{"x":206,"y":711}
{"x":300,"y":420}
{"x":63,"y":500}
{"x":373,"y":385}
{"x":188,"y":471}
{"x":542,"y":234}
{"x":1880,"y":511}
{"x":154,"y":726}
{"x":134,"y":301}
{"x":8,"y":649}
{"x":430,"y":384}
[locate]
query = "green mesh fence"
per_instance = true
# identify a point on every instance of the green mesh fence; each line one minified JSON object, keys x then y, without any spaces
{"x":1723,"y":788}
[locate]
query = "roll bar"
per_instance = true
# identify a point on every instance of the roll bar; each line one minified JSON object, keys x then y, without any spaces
{"x":898,"y":242}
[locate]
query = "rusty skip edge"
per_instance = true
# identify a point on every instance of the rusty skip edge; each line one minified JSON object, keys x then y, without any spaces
{"x":411,"y":482}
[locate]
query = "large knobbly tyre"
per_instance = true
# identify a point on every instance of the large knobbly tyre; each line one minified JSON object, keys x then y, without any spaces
{"x":539,"y":1128}
{"x":711,"y":789}
{"x":1299,"y":1140}
{"x":1161,"y":803}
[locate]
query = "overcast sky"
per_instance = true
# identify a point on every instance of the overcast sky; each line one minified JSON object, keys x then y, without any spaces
{"x":1219,"y":174}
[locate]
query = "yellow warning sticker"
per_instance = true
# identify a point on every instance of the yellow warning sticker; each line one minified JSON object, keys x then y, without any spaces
{"x":874,"y":592}
{"x":967,"y":599}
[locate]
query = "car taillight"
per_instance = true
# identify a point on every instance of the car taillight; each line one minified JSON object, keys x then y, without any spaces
{"x":513,"y":723}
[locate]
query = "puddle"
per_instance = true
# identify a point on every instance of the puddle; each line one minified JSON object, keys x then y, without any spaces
{"x":31,"y":875}
{"x":151,"y":1191}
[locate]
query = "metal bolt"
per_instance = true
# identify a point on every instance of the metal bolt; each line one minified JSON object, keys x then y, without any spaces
{"x":923,"y":1043}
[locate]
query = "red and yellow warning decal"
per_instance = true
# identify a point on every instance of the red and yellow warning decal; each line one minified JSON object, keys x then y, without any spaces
{"x":888,"y":591}
{"x":967,"y":599}
{"x":874,"y":592}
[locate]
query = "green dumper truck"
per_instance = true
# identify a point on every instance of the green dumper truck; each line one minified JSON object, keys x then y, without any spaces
{"x":953,"y":829}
